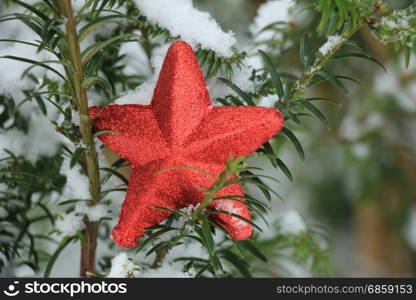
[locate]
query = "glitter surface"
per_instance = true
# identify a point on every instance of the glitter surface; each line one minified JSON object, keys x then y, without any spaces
{"x":180,"y":128}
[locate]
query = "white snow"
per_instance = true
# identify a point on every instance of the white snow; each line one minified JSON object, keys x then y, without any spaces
{"x":143,"y":94}
{"x":361,"y":150}
{"x":11,"y":140}
{"x":189,"y":210}
{"x":93,"y":212}
{"x":24,"y":271}
{"x":12,"y":70}
{"x":332,"y":42}
{"x":167,"y":270}
{"x":240,"y":77}
{"x":9,"y":123}
{"x":96,"y":212}
{"x":81,"y":207}
{"x":40,"y":140}
{"x":102,"y":159}
{"x":76,"y":186}
{"x":270,"y":12}
{"x":374,"y":120}
{"x":182,"y":19}
{"x":10,"y":77}
{"x":389,"y":83}
{"x":78,"y":4}
{"x":292,"y":223}
{"x":69,"y":224}
{"x":3,"y":212}
{"x":389,"y":23}
{"x":228,"y":206}
{"x":135,"y":60}
{"x":122,"y":267}
{"x":267,"y":101}
{"x":400,"y":22}
{"x":352,"y":128}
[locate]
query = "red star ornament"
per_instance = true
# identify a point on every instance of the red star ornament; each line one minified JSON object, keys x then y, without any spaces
{"x":180,"y":128}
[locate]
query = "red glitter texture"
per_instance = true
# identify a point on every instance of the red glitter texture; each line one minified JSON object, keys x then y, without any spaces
{"x":180,"y":128}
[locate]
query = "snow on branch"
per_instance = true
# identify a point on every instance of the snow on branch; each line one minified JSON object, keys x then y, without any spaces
{"x":182,"y":19}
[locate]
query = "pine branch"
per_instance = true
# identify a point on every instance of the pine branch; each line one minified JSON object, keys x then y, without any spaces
{"x":79,"y":93}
